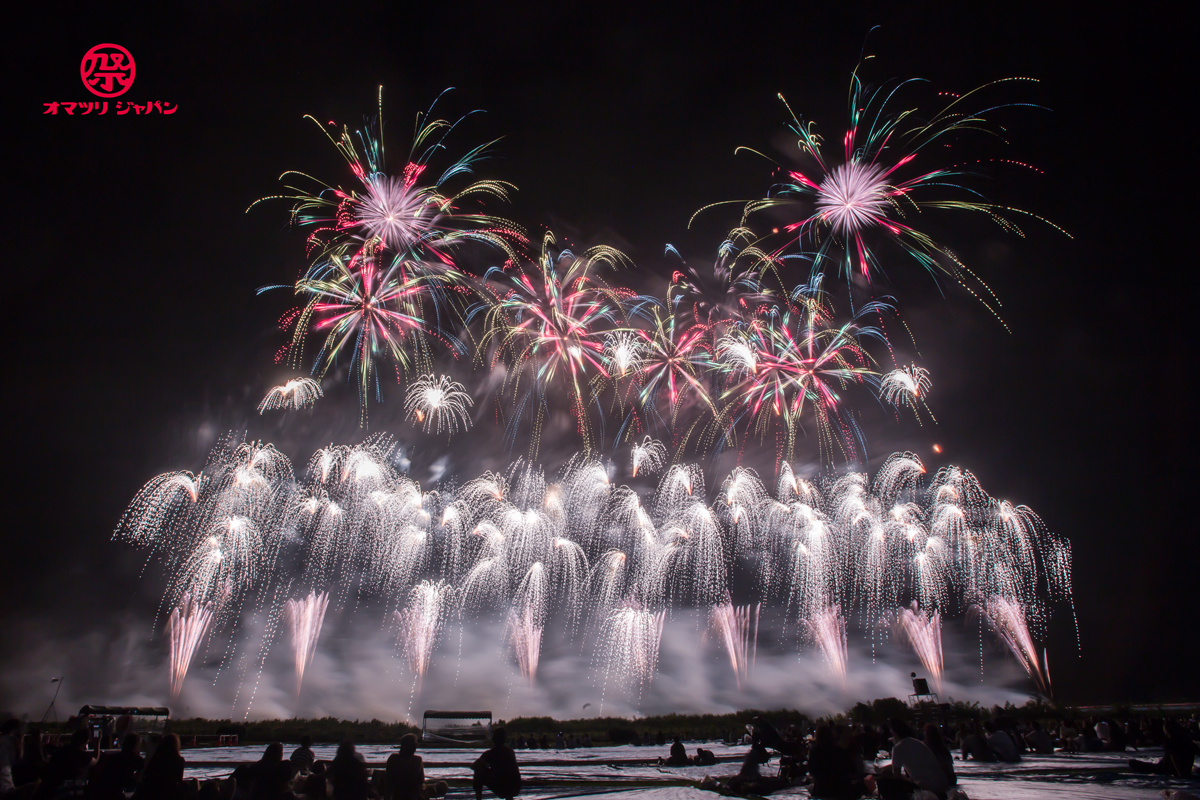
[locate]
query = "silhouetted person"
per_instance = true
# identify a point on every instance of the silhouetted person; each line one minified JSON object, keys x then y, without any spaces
{"x":914,"y":766}
{"x":497,"y":769}
{"x":303,"y":756}
{"x":831,"y":768}
{"x":10,"y":754}
{"x":1038,"y":740}
{"x":116,"y":772}
{"x":271,"y":776}
{"x":748,"y":780}
{"x":67,"y":765}
{"x":348,"y":774}
{"x":678,"y":756}
{"x":1179,"y":753}
{"x":33,"y":760}
{"x":1001,"y":743}
{"x":406,"y":771}
{"x":937,"y":745}
{"x":975,"y":746}
{"x":163,"y":777}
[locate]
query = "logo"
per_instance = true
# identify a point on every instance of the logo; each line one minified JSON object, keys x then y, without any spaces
{"x":107,"y":70}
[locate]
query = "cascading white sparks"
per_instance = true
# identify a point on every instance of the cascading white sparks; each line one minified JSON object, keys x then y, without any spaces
{"x":186,"y":628}
{"x":296,"y":394}
{"x":439,"y":404}
{"x":629,"y":647}
{"x":905,"y":386}
{"x":737,"y":629}
{"x":649,"y":456}
{"x":623,"y":353}
{"x":304,"y":619}
{"x":581,"y":553}
{"x":924,"y":632}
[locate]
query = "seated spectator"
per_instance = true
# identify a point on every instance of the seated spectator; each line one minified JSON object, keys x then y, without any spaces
{"x":497,"y":769}
{"x":406,"y":771}
{"x":1179,"y":754}
{"x":937,"y":746}
{"x":303,"y":756}
{"x":348,"y":774}
{"x":832,"y":768}
{"x":1038,"y":740}
{"x":162,"y":779}
{"x":678,"y":756}
{"x":68,"y":764}
{"x":975,"y":746}
{"x":271,"y":776}
{"x":748,"y":780}
{"x":914,"y":766}
{"x":33,"y":760}
{"x":1001,"y":744}
{"x":117,"y":773}
{"x":704,"y":758}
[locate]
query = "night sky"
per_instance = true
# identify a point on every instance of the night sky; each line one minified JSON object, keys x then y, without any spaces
{"x":135,"y":331}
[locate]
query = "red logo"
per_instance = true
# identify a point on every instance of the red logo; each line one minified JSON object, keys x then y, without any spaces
{"x":107,"y":70}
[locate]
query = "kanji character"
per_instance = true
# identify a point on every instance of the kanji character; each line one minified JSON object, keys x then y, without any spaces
{"x":51,"y":108}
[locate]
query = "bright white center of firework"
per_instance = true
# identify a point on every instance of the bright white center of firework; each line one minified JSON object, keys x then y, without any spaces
{"x":393,"y":212}
{"x":852,"y":197}
{"x":434,"y":397}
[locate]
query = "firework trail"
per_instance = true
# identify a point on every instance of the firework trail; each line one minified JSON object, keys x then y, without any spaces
{"x":1007,"y":619}
{"x":924,"y":632}
{"x":304,"y":618}
{"x":440,"y":403}
{"x":186,"y":628}
{"x":737,"y":629}
{"x":527,"y":620}
{"x":828,"y":630}
{"x":907,"y":386}
{"x":297,"y":393}
{"x":422,"y":621}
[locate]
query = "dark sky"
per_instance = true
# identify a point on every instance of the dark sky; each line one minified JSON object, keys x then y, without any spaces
{"x":133,"y":315}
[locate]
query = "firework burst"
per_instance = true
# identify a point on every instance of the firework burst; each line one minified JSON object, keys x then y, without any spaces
{"x":857,"y":202}
{"x":550,"y":323}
